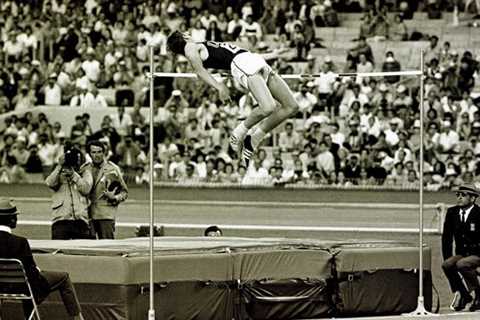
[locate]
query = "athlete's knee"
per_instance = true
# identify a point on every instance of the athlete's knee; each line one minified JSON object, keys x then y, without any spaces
{"x":267,"y":109}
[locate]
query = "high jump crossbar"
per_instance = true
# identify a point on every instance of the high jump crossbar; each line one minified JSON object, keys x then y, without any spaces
{"x":297,"y":76}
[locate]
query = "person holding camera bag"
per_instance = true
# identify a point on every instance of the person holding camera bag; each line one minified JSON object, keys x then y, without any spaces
{"x":71,"y":182}
{"x":108,"y":191}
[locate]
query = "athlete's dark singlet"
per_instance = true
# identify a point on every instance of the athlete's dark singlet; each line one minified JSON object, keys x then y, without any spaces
{"x":220,"y":54}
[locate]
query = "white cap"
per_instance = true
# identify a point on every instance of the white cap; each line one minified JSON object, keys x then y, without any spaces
{"x":176,"y":93}
{"x":450,"y":172}
{"x":181,"y":58}
{"x":172,"y":7}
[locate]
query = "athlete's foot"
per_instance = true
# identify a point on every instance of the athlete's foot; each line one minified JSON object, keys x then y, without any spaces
{"x":248,"y":150}
{"x":235,"y":146}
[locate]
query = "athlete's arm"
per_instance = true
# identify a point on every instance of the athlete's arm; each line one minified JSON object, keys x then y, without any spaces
{"x":193,"y":55}
{"x":274,"y":54}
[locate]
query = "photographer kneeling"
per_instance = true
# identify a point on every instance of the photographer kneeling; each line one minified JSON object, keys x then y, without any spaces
{"x":71,"y":182}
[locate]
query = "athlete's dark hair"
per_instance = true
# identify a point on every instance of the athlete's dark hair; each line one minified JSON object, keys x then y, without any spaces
{"x":176,"y":42}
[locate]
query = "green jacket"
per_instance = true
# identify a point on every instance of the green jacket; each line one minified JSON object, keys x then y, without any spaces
{"x":109,"y":177}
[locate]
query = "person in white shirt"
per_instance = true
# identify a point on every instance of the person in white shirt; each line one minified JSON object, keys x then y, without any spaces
{"x":325,"y":81}
{"x":357,"y":95}
{"x":206,"y":18}
{"x":319,"y":115}
{"x":391,"y":134}
{"x":402,"y":97}
{"x":52,"y":91}
{"x":198,"y":32}
{"x":143,"y":33}
{"x":256,"y":173}
{"x":99,"y":100}
{"x":122,"y":121}
{"x":25,"y":99}
{"x":158,"y":38}
{"x":247,"y":10}
{"x":337,"y":136}
{"x":81,"y":79}
{"x":47,"y":152}
{"x":13,"y":47}
{"x":289,"y":140}
{"x":448,"y":139}
{"x":363,"y":66}
{"x":325,"y":160}
{"x":234,"y":27}
{"x":28,"y":40}
{"x":119,"y":33}
{"x":90,"y":5}
{"x":83,"y":98}
{"x":91,"y":66}
{"x":251,"y":28}
{"x":142,"y":50}
{"x":305,"y":99}
{"x":112,"y":56}
{"x":74,"y":65}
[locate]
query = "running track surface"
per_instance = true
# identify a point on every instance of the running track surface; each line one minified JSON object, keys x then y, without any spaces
{"x":199,"y":210}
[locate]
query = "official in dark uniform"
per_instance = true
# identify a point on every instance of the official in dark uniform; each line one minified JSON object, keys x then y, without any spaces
{"x":462,"y":226}
{"x":42,"y":282}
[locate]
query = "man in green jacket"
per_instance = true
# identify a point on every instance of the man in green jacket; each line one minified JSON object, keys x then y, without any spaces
{"x":108,"y":191}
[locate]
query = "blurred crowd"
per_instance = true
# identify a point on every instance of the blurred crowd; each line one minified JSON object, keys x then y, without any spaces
{"x":349,"y":131}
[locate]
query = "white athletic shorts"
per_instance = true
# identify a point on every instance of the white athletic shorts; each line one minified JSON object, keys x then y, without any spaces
{"x":247,"y":64}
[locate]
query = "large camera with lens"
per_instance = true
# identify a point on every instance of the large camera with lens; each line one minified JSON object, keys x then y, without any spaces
{"x":73,"y":157}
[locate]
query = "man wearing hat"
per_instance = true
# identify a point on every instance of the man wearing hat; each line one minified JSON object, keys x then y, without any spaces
{"x":462,"y":226}
{"x":42,"y":282}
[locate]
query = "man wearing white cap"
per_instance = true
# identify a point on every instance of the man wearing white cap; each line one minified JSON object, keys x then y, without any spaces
{"x":462,"y":227}
{"x":402,"y":97}
{"x":52,"y":91}
{"x":391,"y":133}
{"x":42,"y":282}
{"x":91,"y":66}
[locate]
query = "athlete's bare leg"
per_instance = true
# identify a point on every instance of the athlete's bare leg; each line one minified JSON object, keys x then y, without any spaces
{"x":267,"y":104}
{"x":288,"y":105}
{"x":278,"y":88}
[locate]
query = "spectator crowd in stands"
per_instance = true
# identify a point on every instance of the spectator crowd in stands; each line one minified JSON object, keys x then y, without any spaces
{"x":349,"y":131}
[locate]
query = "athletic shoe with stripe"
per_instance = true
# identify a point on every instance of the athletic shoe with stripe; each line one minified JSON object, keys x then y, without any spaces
{"x":235,"y":146}
{"x":248,"y":150}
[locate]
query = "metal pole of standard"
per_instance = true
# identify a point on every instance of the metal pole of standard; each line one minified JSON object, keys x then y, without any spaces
{"x":421,"y":311}
{"x":151,"y":311}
